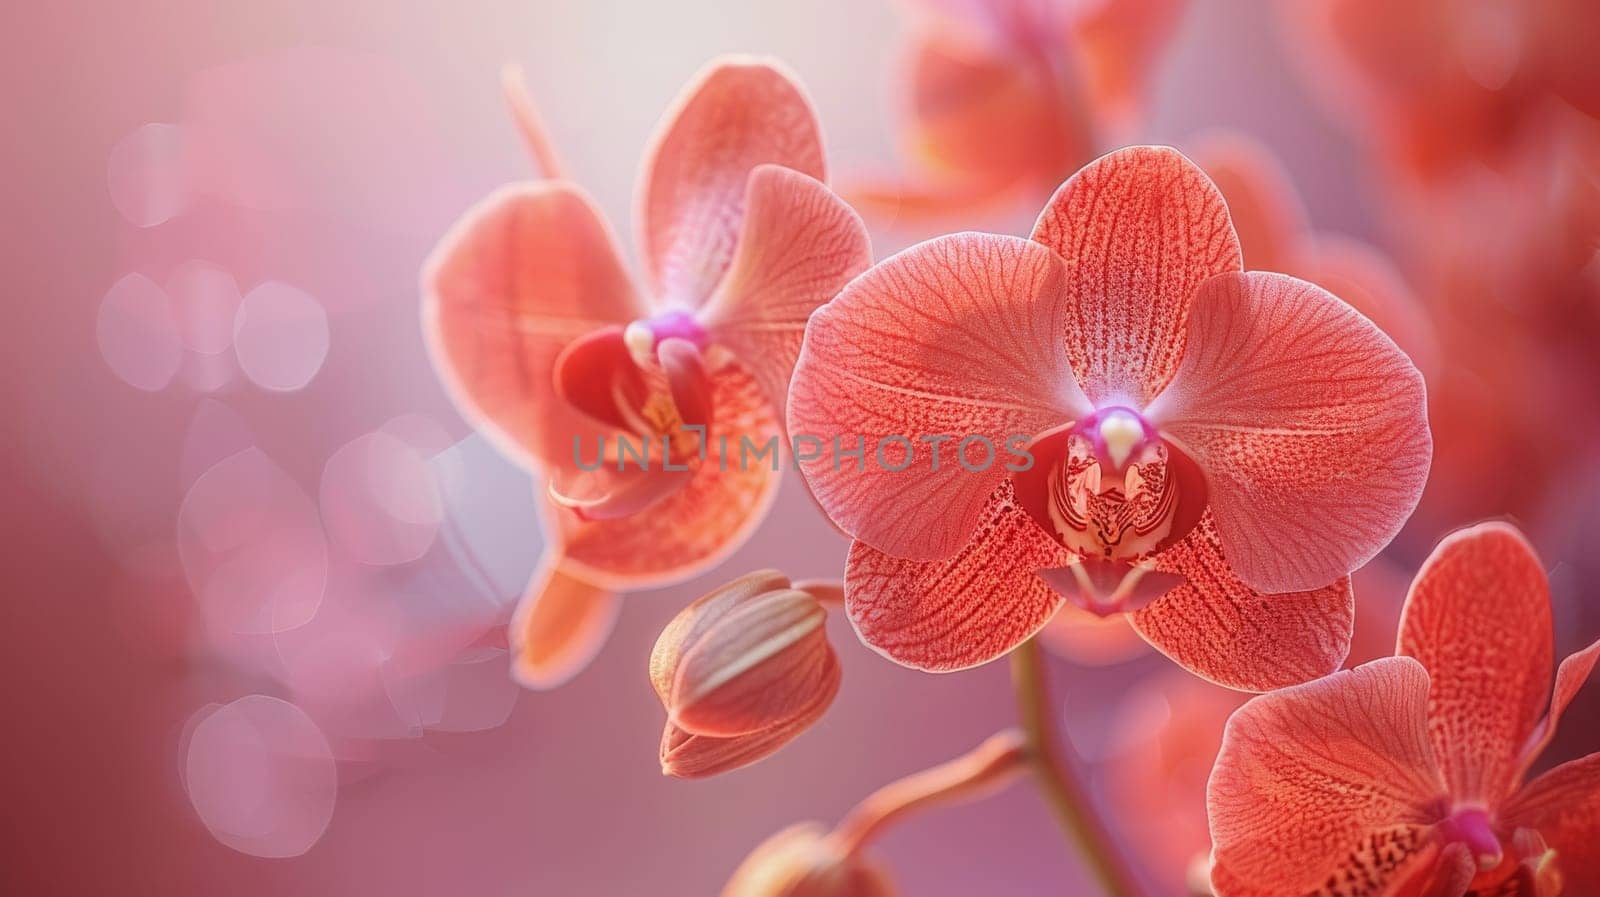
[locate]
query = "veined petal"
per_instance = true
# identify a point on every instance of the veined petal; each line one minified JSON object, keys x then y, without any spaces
{"x":1478,"y":617}
{"x":955,"y":339}
{"x":1326,"y":784}
{"x":1266,"y":210}
{"x":1370,"y":282}
{"x":964,"y":610}
{"x":739,"y":112}
{"x":695,"y":527}
{"x":1140,"y":229}
{"x":525,"y":272}
{"x":1570,"y":678}
{"x":559,"y":626}
{"x":1563,"y":805}
{"x":1310,"y":424}
{"x":799,"y":245}
{"x":1223,"y":630}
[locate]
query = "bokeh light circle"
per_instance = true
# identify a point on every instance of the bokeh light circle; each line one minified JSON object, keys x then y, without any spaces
{"x":280,"y":334}
{"x":137,"y":332}
{"x":252,"y":546}
{"x":380,"y":500}
{"x":145,"y":174}
{"x":261,"y":776}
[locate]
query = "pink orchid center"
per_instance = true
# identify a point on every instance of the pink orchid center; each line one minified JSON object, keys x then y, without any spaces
{"x":647,"y":378}
{"x":1472,"y":827}
{"x":1114,"y":492}
{"x":644,"y":335}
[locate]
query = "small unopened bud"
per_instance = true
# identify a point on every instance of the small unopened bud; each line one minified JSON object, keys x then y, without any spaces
{"x":741,"y":672}
{"x":801,"y":861}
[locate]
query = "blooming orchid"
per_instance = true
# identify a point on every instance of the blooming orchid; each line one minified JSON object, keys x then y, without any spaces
{"x":547,"y":344}
{"x":1408,"y":775}
{"x":1207,"y":450}
{"x":1050,"y":75}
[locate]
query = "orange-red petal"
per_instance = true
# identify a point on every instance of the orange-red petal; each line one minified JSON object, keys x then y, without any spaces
{"x":957,"y":338}
{"x":1478,"y":617}
{"x":964,"y":610}
{"x":1570,"y":679}
{"x":798,"y":246}
{"x":1140,"y":229}
{"x":1563,"y":805}
{"x":1222,"y":630}
{"x":559,"y":626}
{"x":738,"y":113}
{"x":1326,"y":783}
{"x":1266,"y":210}
{"x":695,"y":527}
{"x":528,"y":270}
{"x":1310,"y":424}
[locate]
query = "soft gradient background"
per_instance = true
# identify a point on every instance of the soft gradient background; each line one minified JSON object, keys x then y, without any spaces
{"x":359,"y":131}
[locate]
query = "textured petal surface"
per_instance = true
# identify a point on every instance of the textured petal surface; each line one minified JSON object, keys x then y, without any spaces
{"x":958,"y":337}
{"x":1310,"y":423}
{"x":1265,"y":208}
{"x":1478,"y":617}
{"x":964,"y":610}
{"x":800,"y":244}
{"x":525,"y":272}
{"x":1140,"y":228}
{"x":694,"y":528}
{"x":1222,"y":630}
{"x":559,"y":626}
{"x":1324,"y":788}
{"x":1563,"y":805}
{"x":1370,"y":282}
{"x":738,"y":113}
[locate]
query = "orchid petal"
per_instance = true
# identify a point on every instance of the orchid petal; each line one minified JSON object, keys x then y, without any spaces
{"x":1570,"y":679}
{"x":1224,"y":631}
{"x":962,"y":611}
{"x":524,"y":273}
{"x":1563,"y":805}
{"x":1369,"y":281}
{"x":1310,"y":424}
{"x":1140,"y":229}
{"x":738,"y":113}
{"x":956,"y":338}
{"x":1326,"y":783}
{"x":697,"y":526}
{"x":559,"y":626}
{"x":1478,"y":617}
{"x":799,"y":245}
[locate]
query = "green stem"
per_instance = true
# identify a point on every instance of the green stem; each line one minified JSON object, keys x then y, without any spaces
{"x":1061,"y":780}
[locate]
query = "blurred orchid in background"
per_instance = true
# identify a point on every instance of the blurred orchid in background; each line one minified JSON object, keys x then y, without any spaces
{"x":546,"y":343}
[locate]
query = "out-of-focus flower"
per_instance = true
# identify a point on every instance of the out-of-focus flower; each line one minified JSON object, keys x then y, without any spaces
{"x":1051,"y":76}
{"x":1408,"y":774}
{"x":803,"y":861}
{"x":1275,"y":234}
{"x":1437,"y":83}
{"x":741,"y":672}
{"x":1134,"y":425}
{"x":807,"y":861}
{"x":545,"y":342}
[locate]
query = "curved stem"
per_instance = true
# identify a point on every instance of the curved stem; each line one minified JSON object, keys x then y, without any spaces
{"x":982,"y":771}
{"x":1061,"y":781}
{"x":529,"y":124}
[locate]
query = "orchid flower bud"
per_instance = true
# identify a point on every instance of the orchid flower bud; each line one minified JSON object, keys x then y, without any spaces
{"x":741,"y":672}
{"x":801,"y":861}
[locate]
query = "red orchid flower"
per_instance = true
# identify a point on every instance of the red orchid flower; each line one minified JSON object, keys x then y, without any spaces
{"x":1437,"y":83}
{"x":1275,"y":234}
{"x":1050,"y":75}
{"x":1129,"y":423}
{"x":547,"y":344}
{"x":1406,"y":777}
